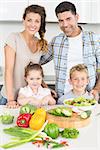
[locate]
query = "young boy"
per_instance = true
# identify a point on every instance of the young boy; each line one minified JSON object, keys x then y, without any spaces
{"x":79,"y":80}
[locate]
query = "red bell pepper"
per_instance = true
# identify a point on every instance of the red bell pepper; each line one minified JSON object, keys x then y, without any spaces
{"x":23,"y":120}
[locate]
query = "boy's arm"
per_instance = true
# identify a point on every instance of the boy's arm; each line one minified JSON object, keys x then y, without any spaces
{"x":61,"y":99}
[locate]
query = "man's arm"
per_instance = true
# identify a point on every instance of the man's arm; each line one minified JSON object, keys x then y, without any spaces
{"x":96,"y":90}
{"x":97,"y":86}
{"x":48,"y":56}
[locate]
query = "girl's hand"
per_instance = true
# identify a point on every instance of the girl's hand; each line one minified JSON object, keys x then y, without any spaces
{"x":44,"y":101}
{"x":12,"y":104}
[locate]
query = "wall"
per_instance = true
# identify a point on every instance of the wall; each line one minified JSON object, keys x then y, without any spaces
{"x":52,"y":29}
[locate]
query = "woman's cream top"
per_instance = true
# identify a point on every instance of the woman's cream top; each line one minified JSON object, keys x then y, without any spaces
{"x":23,"y":56}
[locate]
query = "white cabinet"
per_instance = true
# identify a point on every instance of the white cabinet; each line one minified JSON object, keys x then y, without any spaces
{"x":88,"y":10}
{"x":95,"y":11}
{"x":12,"y":10}
{"x":49,"y":7}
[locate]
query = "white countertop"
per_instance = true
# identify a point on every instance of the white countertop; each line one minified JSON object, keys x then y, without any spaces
{"x":89,"y":137}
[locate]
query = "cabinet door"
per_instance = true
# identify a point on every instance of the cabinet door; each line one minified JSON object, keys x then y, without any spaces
{"x":50,"y":6}
{"x":88,"y":10}
{"x":95,"y":11}
{"x":12,"y":9}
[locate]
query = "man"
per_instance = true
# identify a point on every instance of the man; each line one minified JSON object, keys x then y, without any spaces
{"x":73,"y":46}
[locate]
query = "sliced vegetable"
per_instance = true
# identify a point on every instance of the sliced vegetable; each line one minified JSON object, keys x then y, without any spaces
{"x":28,"y":108}
{"x":23,"y":120}
{"x":67,"y":112}
{"x":52,"y":130}
{"x":70,"y":133}
{"x":49,"y":143}
{"x":7,"y":119}
{"x":61,"y":111}
{"x":85,"y":114}
{"x":80,"y":101}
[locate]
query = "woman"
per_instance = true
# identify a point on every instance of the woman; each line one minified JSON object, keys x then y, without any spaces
{"x":21,"y":48}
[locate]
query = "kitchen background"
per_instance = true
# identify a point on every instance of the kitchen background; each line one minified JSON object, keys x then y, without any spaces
{"x":11,"y":12}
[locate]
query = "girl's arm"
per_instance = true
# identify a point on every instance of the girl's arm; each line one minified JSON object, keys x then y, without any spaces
{"x":22,"y":100}
{"x":48,"y":100}
{"x":9,"y":67}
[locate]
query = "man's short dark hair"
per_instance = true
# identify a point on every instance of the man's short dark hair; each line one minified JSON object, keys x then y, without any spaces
{"x":65,"y":6}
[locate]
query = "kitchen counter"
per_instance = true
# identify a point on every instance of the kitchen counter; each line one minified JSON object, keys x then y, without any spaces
{"x":89,"y":137}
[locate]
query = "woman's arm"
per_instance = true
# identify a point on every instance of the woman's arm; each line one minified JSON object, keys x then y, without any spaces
{"x":9,"y":67}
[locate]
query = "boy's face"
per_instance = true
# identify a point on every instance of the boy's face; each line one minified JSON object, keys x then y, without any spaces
{"x":79,"y":81}
{"x":34,"y":79}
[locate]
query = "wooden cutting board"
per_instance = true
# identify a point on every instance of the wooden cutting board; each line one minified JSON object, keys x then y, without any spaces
{"x":68,"y":122}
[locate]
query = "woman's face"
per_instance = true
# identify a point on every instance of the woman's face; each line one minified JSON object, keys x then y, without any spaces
{"x":32,"y":23}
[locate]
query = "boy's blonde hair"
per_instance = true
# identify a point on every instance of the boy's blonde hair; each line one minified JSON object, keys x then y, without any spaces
{"x":79,"y":67}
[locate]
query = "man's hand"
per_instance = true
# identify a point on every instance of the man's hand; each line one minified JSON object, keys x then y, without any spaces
{"x":53,"y":93}
{"x":95,"y":93}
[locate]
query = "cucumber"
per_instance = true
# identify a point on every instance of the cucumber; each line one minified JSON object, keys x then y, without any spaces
{"x":85,"y":114}
{"x":66,"y":112}
{"x":58,"y":110}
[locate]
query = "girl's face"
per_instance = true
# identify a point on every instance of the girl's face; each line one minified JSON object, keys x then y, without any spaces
{"x":34,"y":79}
{"x":32,"y":23}
{"x":79,"y":81}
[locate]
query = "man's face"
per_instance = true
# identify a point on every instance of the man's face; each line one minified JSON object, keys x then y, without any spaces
{"x":68,"y":23}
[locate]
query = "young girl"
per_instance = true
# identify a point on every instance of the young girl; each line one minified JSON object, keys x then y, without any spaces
{"x":34,"y":93}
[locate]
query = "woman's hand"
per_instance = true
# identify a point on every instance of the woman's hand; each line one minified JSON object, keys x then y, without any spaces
{"x":12,"y":104}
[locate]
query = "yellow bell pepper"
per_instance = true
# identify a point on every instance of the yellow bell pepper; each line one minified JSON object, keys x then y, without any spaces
{"x":38,"y":119}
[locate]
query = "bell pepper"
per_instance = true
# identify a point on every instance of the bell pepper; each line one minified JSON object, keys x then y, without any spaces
{"x":23,"y":120}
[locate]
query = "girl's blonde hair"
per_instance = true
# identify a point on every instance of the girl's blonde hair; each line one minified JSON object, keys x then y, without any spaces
{"x":79,"y":67}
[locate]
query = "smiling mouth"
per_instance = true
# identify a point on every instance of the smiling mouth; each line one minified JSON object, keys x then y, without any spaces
{"x":32,"y":29}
